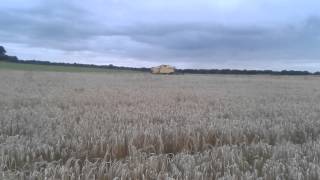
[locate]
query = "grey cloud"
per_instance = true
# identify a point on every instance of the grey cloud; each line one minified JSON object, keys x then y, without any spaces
{"x":49,"y":24}
{"x":65,"y":26}
{"x":219,"y":37}
{"x":198,"y":40}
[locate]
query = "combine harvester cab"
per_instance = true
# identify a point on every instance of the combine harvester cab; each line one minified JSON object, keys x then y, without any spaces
{"x":163,"y":69}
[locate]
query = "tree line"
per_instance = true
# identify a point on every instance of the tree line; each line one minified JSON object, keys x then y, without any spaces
{"x":245,"y":72}
{"x":4,"y":57}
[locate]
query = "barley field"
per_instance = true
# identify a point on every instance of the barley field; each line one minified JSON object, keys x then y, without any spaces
{"x":79,"y":126}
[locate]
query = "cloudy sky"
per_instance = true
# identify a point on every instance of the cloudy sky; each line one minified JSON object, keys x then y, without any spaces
{"x":241,"y":34}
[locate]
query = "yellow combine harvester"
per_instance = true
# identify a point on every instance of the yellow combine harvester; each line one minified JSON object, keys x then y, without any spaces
{"x":163,"y":69}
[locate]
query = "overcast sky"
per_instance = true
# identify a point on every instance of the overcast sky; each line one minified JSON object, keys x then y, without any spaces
{"x":240,"y":34}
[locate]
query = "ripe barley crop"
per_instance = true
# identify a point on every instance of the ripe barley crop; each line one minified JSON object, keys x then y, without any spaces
{"x":142,"y":126}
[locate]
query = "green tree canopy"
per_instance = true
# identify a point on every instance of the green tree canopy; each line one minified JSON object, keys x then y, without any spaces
{"x":2,"y":51}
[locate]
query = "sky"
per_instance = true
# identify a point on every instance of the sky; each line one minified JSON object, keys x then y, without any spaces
{"x":233,"y":34}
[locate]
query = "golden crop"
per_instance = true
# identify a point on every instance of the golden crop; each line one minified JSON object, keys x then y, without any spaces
{"x":140,"y":126}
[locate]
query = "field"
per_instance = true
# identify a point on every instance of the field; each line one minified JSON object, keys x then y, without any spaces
{"x":55,"y":68}
{"x":142,"y":126}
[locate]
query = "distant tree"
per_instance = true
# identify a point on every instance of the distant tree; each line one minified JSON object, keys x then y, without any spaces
{"x":4,"y":57}
{"x":2,"y":51}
